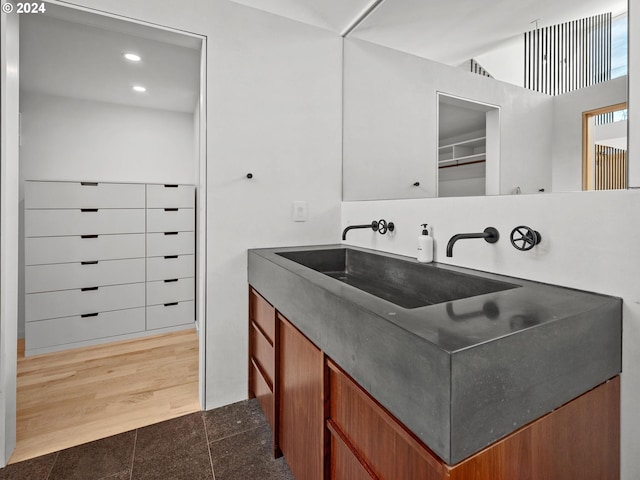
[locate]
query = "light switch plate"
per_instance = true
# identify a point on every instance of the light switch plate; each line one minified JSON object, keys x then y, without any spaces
{"x":299,"y":211}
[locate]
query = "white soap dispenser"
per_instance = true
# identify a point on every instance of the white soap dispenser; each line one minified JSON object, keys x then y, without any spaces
{"x":425,"y":246}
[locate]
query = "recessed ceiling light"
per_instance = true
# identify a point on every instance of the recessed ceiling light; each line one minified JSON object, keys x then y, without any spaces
{"x":132,"y":57}
{"x":139,"y":88}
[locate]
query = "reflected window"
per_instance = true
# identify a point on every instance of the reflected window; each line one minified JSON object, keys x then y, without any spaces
{"x":619,"y":45}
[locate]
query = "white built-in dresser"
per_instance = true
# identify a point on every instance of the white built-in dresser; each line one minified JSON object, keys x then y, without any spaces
{"x":106,"y":262}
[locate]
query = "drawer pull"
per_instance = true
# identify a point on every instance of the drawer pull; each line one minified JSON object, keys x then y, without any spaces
{"x":88,"y":289}
{"x":89,"y":184}
{"x":168,"y":257}
{"x":88,"y":236}
{"x":172,"y":304}
{"x":170,"y":233}
{"x":170,"y":209}
{"x":85,"y":315}
{"x":171,"y":280}
{"x":91,"y":262}
{"x":170,"y":185}
{"x":92,"y":210}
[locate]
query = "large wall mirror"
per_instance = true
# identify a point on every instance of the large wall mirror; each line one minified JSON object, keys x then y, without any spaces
{"x":529,"y":73}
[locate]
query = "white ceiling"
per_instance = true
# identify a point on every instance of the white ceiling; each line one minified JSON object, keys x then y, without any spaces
{"x":76,"y":54}
{"x":448,"y":31}
{"x":336,"y":15}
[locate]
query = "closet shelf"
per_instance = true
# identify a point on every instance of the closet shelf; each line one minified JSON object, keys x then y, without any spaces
{"x":460,"y":161}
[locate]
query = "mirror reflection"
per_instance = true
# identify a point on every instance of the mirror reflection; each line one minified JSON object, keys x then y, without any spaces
{"x":538,"y":68}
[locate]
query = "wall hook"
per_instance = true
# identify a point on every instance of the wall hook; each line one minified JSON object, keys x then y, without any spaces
{"x":249,"y":175}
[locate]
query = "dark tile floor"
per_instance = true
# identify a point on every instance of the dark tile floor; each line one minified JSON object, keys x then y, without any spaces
{"x":229,"y":443}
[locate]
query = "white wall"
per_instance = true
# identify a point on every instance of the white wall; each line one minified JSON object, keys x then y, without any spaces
{"x":9,"y":64}
{"x":390,"y":120}
{"x":70,"y":139}
{"x":505,"y":62}
{"x":567,"y":131}
{"x":273,"y":109}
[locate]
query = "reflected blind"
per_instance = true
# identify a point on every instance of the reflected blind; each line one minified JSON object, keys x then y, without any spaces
{"x":568,"y":56}
{"x":611,"y":168}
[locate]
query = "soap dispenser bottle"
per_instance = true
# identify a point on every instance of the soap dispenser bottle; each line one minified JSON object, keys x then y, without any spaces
{"x":425,"y":246}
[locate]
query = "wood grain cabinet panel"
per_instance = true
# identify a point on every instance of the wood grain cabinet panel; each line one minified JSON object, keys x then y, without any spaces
{"x":301,"y":398}
{"x":263,"y":361}
{"x":382,"y":444}
{"x":262,"y":314}
{"x":344,"y":463}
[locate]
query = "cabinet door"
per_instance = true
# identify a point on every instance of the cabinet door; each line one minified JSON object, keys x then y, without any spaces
{"x":301,"y":393}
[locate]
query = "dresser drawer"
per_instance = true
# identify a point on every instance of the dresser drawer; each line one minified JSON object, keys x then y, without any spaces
{"x":42,"y":195}
{"x":176,"y":290}
{"x":64,"y":276}
{"x":162,"y":316}
{"x":41,"y":250}
{"x":61,"y":331}
{"x":178,"y":266}
{"x":170,"y":220}
{"x":67,"y":303}
{"x":178,"y":243}
{"x":171,"y":196}
{"x":52,"y":223}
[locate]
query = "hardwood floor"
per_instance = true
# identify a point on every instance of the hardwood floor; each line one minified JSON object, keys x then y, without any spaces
{"x":77,"y":396}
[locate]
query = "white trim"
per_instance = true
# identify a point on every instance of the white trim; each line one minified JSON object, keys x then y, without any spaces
{"x":9,"y":207}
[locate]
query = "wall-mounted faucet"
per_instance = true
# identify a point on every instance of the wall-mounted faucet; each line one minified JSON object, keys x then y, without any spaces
{"x":490,"y":235}
{"x":380,"y":226}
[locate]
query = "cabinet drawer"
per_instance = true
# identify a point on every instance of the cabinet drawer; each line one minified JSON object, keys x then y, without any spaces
{"x":382,"y":443}
{"x":83,"y":195}
{"x":179,"y":266}
{"x":41,"y":250}
{"x":170,"y":220}
{"x":171,"y":196}
{"x":262,"y":314}
{"x":344,"y":464}
{"x":67,"y":303}
{"x":161,"y":244}
{"x":260,"y":389}
{"x":64,"y":276}
{"x":51,"y":223}
{"x":162,"y":316}
{"x":61,"y":331}
{"x":263,"y":353}
{"x":176,"y":290}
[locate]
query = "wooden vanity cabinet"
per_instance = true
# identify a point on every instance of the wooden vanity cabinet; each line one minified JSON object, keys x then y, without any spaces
{"x":579,"y":440}
{"x":328,"y":427}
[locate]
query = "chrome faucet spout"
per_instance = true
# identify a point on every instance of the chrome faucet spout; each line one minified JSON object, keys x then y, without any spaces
{"x":490,"y":235}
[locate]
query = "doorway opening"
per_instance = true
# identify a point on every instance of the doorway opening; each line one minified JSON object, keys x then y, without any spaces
{"x":114,"y":102}
{"x":604,"y":148}
{"x":468,"y":147}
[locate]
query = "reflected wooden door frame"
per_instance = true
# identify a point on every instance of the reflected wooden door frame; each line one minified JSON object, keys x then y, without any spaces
{"x":588,"y":157}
